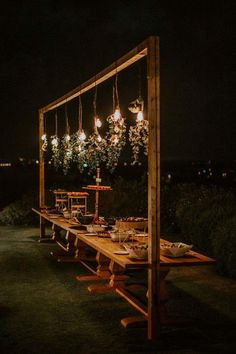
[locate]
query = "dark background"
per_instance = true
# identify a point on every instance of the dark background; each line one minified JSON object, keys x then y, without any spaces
{"x":49,"y":47}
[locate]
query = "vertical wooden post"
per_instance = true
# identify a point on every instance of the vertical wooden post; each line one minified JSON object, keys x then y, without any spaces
{"x":41,"y":173}
{"x":153,"y":76}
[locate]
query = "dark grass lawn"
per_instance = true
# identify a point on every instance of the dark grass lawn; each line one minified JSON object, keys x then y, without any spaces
{"x":43,"y":309}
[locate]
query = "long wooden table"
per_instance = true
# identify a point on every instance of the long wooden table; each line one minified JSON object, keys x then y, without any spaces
{"x":113,"y":267}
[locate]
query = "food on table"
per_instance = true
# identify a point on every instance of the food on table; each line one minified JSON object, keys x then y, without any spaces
{"x":175,"y":249}
{"x":137,"y":251}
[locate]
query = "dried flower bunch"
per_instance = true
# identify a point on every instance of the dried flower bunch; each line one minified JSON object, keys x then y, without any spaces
{"x":115,"y":138}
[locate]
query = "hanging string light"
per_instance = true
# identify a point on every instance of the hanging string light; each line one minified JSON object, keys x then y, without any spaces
{"x":82,"y":135}
{"x":78,"y":141}
{"x":66,"y":145}
{"x":96,"y":151}
{"x":115,"y":136}
{"x":55,"y":143}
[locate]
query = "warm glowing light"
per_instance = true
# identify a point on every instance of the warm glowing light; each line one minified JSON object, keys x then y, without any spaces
{"x":67,"y":137}
{"x":82,"y":136}
{"x":98,"y":123}
{"x":116,"y":115}
{"x":99,"y":139}
{"x":115,"y":139}
{"x":139,"y":116}
{"x":55,"y":142}
{"x":43,"y":137}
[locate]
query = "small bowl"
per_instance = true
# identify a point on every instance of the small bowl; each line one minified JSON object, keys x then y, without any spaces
{"x":119,"y":236}
{"x":66,"y":214}
{"x":137,"y":251}
{"x":94,"y":228}
{"x":176,"y":249}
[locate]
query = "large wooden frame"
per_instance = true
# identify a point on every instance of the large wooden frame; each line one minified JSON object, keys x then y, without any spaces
{"x":150,"y":49}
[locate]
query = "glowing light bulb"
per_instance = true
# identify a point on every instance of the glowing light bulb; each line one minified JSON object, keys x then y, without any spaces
{"x":82,"y":135}
{"x":99,"y":139}
{"x":54,"y":142}
{"x":98,"y":123}
{"x":43,"y":137}
{"x":116,"y":115}
{"x":139,"y":116}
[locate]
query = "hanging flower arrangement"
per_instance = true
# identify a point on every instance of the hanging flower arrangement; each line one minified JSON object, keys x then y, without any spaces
{"x":115,"y":136}
{"x":96,"y":150}
{"x":78,"y":141}
{"x":44,"y":142}
{"x":44,"y":138}
{"x":66,"y":147}
{"x":138,"y":135}
{"x":55,"y":146}
{"x":56,"y":151}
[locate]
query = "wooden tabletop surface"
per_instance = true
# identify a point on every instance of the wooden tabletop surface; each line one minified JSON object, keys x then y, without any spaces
{"x":107,"y":247}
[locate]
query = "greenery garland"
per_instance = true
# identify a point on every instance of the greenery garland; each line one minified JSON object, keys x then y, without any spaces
{"x":79,"y":151}
{"x":56,"y":151}
{"x":115,"y":138}
{"x":66,"y":147}
{"x":96,"y":151}
{"x":138,"y":138}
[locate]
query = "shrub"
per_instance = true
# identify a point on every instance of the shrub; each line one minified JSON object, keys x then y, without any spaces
{"x":19,"y":212}
{"x":224,"y":246}
{"x":199,"y":214}
{"x":127,"y":198}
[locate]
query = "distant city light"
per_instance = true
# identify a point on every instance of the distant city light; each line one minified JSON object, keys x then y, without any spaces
{"x":5,"y":164}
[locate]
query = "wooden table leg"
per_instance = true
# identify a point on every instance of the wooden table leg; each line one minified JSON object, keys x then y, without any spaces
{"x":137,"y":321}
{"x":67,"y":253}
{"x":101,"y":272}
{"x":43,"y":238}
{"x":116,"y":279}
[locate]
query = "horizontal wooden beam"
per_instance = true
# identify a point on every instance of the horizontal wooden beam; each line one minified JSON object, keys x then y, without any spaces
{"x":128,"y":59}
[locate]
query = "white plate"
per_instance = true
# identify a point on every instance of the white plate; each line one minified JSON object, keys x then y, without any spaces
{"x":90,"y":234}
{"x":121,"y":252}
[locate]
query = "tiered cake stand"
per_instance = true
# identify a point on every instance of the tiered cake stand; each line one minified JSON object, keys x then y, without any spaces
{"x":97,"y":188}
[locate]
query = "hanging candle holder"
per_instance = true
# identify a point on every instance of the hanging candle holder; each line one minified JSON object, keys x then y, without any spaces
{"x":78,"y":141}
{"x":96,"y":150}
{"x":115,"y":136}
{"x":66,"y":146}
{"x":55,"y":146}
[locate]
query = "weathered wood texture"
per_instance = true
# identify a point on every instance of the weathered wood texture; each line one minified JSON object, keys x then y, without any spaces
{"x":153,"y":74}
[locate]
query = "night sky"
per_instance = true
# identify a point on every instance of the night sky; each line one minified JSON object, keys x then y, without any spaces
{"x":50,"y":47}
